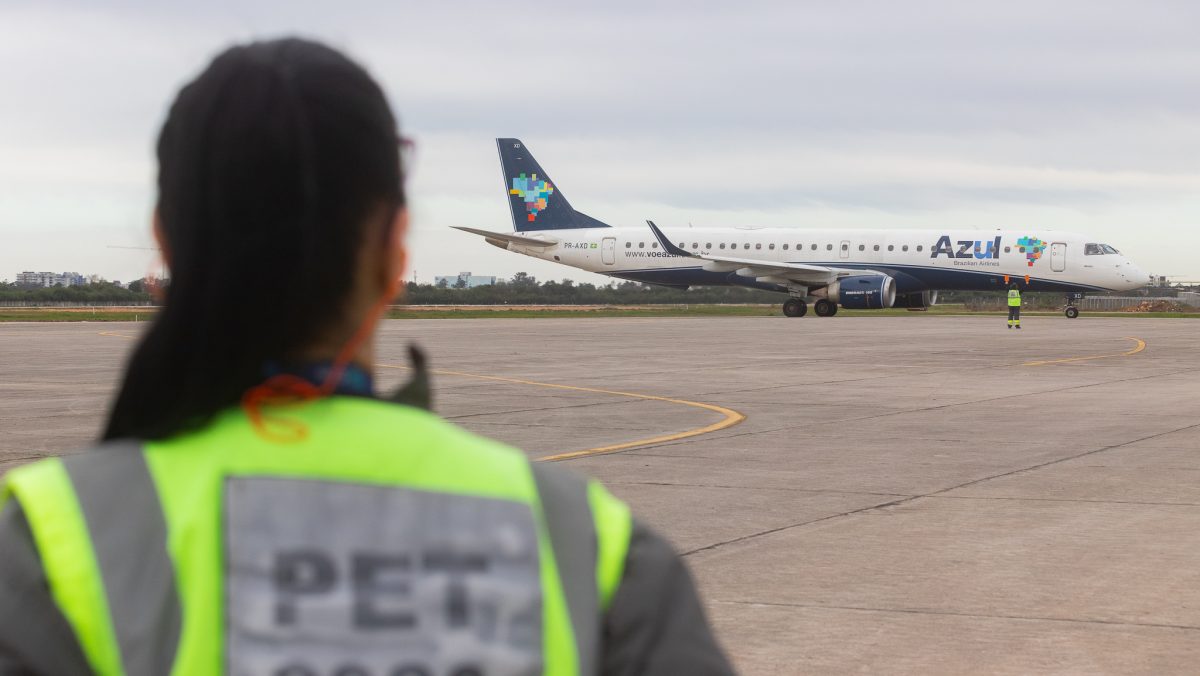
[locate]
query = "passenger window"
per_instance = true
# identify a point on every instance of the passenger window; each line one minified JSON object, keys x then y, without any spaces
{"x":695,"y":245}
{"x":747,"y":245}
{"x":758,"y":245}
{"x":814,"y":247}
{"x":862,"y":247}
{"x":708,"y":245}
{"x":785,"y":247}
{"x":722,"y":245}
{"x":628,"y":245}
{"x":641,"y":245}
{"x":877,"y":247}
{"x":891,"y":247}
{"x":1008,"y":249}
{"x":1022,"y":249}
{"x":771,"y":246}
{"x":829,"y":247}
{"x":904,"y":248}
{"x":799,"y":247}
{"x":653,"y":245}
{"x":920,"y":247}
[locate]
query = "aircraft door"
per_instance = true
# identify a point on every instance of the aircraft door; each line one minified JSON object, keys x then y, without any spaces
{"x":1058,"y":257}
{"x":844,"y":249}
{"x":608,"y":250}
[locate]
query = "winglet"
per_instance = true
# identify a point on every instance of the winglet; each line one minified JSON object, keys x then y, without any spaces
{"x":666,"y":243}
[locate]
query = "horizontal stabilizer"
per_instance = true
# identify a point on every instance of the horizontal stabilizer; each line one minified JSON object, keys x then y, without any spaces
{"x":520,"y":240}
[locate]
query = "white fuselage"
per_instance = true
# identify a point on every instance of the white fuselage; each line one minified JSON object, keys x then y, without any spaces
{"x":917,"y":259}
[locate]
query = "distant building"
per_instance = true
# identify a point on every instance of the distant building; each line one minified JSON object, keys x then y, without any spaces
{"x":51,"y":279}
{"x":465,"y":280}
{"x":36,"y":278}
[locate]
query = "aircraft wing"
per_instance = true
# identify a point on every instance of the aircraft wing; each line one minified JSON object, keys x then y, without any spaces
{"x":800,"y":273}
{"x":503,"y":238}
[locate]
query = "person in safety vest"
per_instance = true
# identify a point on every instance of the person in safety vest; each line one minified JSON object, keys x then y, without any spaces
{"x":254,"y":507}
{"x":1014,"y":306}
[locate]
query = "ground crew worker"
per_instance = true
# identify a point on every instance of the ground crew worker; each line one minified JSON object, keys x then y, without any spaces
{"x":1014,"y":306}
{"x":254,"y":508}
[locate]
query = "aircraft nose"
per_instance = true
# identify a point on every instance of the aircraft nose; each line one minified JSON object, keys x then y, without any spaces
{"x":1135,"y":275}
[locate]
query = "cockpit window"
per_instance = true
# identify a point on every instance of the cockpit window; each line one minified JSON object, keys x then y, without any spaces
{"x":1098,"y":250}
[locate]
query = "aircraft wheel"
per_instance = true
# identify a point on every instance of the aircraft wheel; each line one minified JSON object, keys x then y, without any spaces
{"x":825,"y":308}
{"x":794,"y":307}
{"x":1072,"y":312}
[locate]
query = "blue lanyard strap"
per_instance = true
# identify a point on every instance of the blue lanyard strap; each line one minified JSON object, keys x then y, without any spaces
{"x":355,"y":381}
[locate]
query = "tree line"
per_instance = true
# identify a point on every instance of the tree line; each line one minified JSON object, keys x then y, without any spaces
{"x":524,"y":289}
{"x":100,"y":293}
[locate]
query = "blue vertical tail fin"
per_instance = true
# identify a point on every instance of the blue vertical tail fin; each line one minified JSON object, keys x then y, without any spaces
{"x":536,"y":203}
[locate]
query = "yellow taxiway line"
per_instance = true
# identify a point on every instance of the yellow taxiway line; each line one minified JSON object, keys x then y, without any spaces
{"x":731,"y":417}
{"x":1141,"y":345}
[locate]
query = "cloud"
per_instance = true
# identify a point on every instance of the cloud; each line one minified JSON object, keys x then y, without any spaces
{"x":1079,"y":115}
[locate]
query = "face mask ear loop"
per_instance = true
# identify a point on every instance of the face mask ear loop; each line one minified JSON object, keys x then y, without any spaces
{"x":365,"y":330}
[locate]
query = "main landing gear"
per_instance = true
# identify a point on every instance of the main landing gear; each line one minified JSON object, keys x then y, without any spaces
{"x":825,"y":308}
{"x":795,"y":307}
{"x":1073,"y":299}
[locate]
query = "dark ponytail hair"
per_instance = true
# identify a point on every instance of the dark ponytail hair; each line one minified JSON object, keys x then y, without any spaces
{"x":273,"y":165}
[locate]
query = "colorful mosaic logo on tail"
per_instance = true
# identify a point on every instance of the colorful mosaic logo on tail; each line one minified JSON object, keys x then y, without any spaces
{"x":534,"y":192}
{"x":1033,"y":248}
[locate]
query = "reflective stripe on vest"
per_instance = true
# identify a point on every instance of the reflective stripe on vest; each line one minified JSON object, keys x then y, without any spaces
{"x":98,"y":521}
{"x":88,"y":513}
{"x":573,"y":537}
{"x":60,"y":533}
{"x":1014,"y":298}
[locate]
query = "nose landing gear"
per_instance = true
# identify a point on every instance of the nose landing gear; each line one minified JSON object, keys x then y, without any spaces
{"x":1071,"y":310}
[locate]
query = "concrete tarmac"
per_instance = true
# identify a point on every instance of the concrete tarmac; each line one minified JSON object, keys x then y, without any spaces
{"x":913,"y":494}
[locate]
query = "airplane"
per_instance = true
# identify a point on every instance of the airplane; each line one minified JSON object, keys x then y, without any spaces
{"x":825,"y":268}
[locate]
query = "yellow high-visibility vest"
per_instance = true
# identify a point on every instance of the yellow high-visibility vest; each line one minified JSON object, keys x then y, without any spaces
{"x":386,"y":539}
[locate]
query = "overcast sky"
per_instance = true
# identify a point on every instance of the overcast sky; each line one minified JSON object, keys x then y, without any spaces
{"x":1074,"y":115}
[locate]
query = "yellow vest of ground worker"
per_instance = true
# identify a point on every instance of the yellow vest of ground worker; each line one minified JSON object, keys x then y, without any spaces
{"x":386,"y":541}
{"x":1014,"y":298}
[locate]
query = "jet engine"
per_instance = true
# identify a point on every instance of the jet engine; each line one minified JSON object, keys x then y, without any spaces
{"x":861,"y":292}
